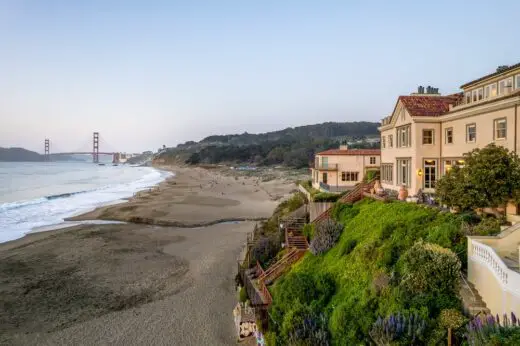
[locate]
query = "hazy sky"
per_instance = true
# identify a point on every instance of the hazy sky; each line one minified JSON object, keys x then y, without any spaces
{"x":147,"y":73}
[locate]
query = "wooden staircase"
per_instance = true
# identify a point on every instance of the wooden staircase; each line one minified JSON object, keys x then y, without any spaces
{"x":352,"y":196}
{"x":277,"y":269}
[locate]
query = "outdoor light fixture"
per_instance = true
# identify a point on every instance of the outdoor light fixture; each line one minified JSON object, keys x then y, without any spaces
{"x":419,"y":172}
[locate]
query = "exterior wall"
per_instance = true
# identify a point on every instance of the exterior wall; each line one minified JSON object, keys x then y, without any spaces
{"x":485,"y":132}
{"x":390,"y":155}
{"x":344,"y":163}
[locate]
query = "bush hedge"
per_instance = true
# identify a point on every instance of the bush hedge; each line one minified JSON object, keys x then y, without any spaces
{"x":363,"y":274}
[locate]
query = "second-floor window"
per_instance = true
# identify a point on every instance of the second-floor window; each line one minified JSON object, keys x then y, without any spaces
{"x":517,"y":82}
{"x":448,"y":135}
{"x":471,"y":133}
{"x":390,"y":141}
{"x":500,"y":126}
{"x":349,"y":176}
{"x":427,"y":136}
{"x":505,"y":86}
{"x":372,"y":160}
{"x":403,"y":136}
{"x":325,"y":162}
{"x":383,"y":142}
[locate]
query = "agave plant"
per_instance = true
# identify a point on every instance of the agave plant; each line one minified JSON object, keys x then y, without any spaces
{"x":481,"y":330}
{"x":408,"y":329}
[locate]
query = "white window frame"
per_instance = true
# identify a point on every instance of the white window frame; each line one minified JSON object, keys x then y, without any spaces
{"x":487,"y":91}
{"x":493,"y":90}
{"x":474,"y":97}
{"x":496,"y":135}
{"x":446,"y":135}
{"x":467,"y":96}
{"x":324,"y":162}
{"x":387,"y":172}
{"x":468,"y":126}
{"x":430,"y":170}
{"x":504,"y":83}
{"x":404,"y":165}
{"x":432,"y":136}
{"x":349,"y":176}
{"x":451,"y":163}
{"x":404,"y":136}
{"x":390,"y":141}
{"x":480,"y":94}
{"x":517,"y":85}
{"x":383,"y":142}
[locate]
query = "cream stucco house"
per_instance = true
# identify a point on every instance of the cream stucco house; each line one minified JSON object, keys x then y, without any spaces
{"x":338,"y":170}
{"x":428,"y":133}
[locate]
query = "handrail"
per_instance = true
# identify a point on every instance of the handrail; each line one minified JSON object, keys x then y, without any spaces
{"x":487,"y":256}
{"x":468,"y":286}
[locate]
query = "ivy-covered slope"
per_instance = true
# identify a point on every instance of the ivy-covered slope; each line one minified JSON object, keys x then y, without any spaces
{"x":335,"y":298}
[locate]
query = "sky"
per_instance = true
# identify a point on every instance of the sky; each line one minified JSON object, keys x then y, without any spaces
{"x":148,"y":73}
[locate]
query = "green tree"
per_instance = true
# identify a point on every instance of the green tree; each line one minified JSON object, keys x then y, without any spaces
{"x":490,"y":177}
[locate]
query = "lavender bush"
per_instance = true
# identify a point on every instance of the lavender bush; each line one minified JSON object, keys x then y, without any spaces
{"x":490,"y":330}
{"x":326,"y":235}
{"x":313,"y":331}
{"x":408,"y":330}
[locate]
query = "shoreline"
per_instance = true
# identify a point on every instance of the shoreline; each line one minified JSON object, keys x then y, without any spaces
{"x":135,"y":283}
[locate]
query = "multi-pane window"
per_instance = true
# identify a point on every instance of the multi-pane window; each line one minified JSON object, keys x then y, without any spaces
{"x":471,"y":133}
{"x":467,"y":96}
{"x":383,"y":142}
{"x":324,"y":162}
{"x":404,"y":136}
{"x":517,"y":81}
{"x":487,"y":90}
{"x":404,"y":172}
{"x":390,"y":141}
{"x":480,"y":93}
{"x":387,"y":171}
{"x":430,"y":174}
{"x":349,"y":176}
{"x":474,"y":93}
{"x":500,"y":126}
{"x":505,"y":86}
{"x":372,"y":160}
{"x":493,"y":88}
{"x":427,"y":136}
{"x":449,"y":164}
{"x":448,"y":135}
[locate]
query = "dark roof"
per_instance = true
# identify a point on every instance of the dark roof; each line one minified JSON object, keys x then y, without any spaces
{"x":512,"y":67}
{"x":429,"y":106}
{"x":359,"y":152}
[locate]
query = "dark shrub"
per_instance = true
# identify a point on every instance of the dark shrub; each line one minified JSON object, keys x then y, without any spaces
{"x":326,"y":235}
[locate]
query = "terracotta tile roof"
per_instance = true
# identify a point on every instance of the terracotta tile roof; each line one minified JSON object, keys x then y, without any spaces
{"x":512,"y":67}
{"x":359,"y":152}
{"x":429,"y":106}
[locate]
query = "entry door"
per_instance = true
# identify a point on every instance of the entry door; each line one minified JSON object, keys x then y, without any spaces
{"x":324,"y":178}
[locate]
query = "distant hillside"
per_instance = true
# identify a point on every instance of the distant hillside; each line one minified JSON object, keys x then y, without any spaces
{"x":19,"y":154}
{"x":294,"y":147}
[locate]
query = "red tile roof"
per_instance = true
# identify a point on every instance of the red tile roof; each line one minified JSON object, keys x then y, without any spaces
{"x":359,"y":152}
{"x":429,"y":106}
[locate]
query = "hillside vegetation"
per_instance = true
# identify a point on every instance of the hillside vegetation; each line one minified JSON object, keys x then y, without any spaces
{"x":394,"y":260}
{"x":293,"y":147}
{"x":19,"y":155}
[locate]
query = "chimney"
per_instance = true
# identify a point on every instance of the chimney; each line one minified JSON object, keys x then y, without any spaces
{"x":343,"y":146}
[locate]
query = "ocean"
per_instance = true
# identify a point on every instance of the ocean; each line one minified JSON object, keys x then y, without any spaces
{"x":40,"y":194}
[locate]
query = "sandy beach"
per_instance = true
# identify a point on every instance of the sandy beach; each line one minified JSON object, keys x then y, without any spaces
{"x":138,"y":283}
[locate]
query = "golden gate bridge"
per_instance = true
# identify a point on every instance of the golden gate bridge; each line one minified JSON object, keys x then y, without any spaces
{"x":116,"y":156}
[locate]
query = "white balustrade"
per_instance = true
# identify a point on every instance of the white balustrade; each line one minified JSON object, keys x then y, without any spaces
{"x":486,"y":255}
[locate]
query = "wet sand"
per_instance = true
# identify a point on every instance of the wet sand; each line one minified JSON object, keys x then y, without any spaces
{"x":136,"y":284}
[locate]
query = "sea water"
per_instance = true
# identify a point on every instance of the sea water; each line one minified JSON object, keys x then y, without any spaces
{"x":35,"y":195}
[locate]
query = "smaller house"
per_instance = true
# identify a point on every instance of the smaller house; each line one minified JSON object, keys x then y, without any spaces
{"x":338,"y":170}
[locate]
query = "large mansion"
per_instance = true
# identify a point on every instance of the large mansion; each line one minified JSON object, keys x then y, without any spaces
{"x":428,"y":133}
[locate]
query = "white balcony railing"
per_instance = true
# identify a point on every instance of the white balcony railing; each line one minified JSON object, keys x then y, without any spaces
{"x":486,"y":255}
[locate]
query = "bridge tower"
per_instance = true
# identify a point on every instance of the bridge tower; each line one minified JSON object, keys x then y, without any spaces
{"x":95,"y":148}
{"x":47,"y":155}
